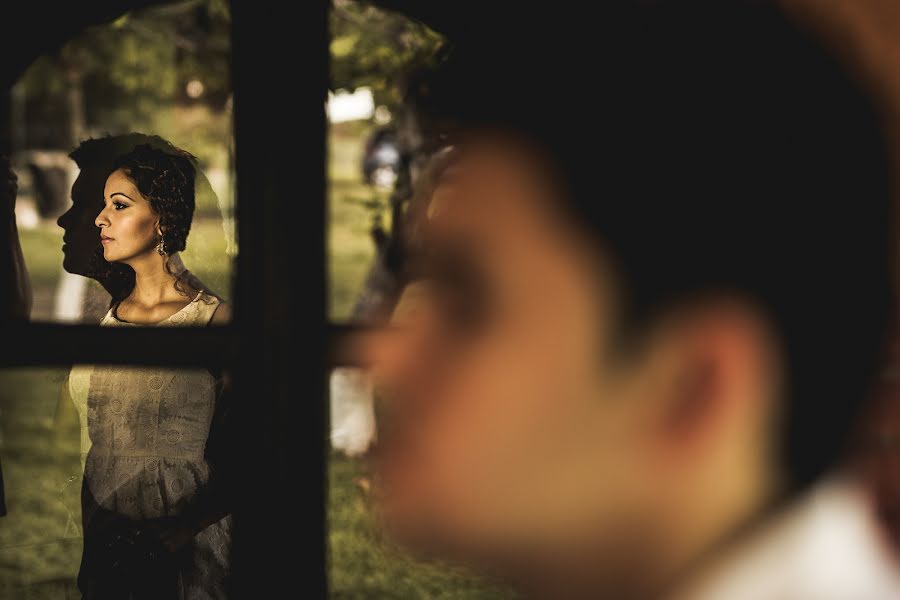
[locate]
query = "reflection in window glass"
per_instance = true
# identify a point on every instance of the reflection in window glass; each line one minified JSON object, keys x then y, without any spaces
{"x":372,"y":152}
{"x":163,"y":71}
{"x":41,"y":535}
{"x":116,"y":479}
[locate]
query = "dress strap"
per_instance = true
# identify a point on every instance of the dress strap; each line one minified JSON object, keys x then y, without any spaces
{"x":206,"y":306}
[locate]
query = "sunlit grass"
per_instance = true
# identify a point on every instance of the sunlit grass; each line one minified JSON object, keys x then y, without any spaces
{"x":40,"y":538}
{"x":363,"y":565}
{"x":350,"y":247}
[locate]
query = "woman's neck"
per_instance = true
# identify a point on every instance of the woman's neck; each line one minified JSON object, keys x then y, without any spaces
{"x":152,"y":282}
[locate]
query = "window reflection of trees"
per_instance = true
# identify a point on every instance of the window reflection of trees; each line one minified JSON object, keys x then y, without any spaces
{"x":162,"y":70}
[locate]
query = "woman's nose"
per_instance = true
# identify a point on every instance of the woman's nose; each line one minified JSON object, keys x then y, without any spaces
{"x":101,"y":220}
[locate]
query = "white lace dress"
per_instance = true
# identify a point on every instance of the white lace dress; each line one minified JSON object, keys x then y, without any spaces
{"x":143,"y":434}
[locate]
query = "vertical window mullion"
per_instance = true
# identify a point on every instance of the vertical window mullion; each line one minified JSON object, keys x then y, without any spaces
{"x":280,"y":73}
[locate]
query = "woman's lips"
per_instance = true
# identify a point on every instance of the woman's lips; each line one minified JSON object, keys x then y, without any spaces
{"x":105,"y":240}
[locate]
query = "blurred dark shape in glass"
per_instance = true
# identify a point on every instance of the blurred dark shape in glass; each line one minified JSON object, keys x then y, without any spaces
{"x":381,"y":159}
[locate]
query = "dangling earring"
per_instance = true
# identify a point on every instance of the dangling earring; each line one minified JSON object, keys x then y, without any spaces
{"x":161,"y":247}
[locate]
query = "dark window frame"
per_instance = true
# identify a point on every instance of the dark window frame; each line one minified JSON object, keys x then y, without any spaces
{"x":279,"y":345}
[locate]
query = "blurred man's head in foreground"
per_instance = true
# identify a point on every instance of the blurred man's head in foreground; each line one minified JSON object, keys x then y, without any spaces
{"x":650,"y":295}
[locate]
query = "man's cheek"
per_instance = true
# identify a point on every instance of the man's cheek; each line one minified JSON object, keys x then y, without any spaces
{"x":465,"y":483}
{"x":486,"y":440}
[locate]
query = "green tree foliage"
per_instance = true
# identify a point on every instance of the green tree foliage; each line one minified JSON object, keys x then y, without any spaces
{"x":376,"y":48}
{"x":131,"y":73}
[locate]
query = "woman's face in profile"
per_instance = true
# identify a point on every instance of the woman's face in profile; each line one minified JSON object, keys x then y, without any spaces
{"x":128,"y":226}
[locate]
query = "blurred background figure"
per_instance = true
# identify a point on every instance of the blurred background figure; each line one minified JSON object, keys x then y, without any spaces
{"x":352,"y":411}
{"x":381,"y":159}
{"x":15,"y":302}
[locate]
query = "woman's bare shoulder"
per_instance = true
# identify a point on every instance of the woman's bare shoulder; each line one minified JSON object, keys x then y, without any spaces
{"x":222,"y":315}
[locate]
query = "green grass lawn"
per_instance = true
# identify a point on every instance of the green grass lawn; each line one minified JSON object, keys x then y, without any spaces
{"x":351,"y":208}
{"x":40,"y":543}
{"x":363,"y":565}
{"x":40,"y":538}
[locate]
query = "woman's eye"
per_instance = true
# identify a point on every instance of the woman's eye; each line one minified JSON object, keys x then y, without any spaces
{"x":119,"y":205}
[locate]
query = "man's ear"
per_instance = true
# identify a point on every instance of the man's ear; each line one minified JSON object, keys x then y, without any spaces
{"x":713,"y":370}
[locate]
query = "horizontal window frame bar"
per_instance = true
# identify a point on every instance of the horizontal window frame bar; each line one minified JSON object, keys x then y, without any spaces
{"x":51,"y":344}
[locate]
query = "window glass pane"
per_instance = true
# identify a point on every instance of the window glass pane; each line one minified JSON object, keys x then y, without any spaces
{"x":372,"y":152}
{"x":115,"y":478}
{"x":41,"y":534}
{"x":162,"y":71}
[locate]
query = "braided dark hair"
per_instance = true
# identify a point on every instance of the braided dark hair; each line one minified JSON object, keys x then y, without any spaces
{"x":166,"y":179}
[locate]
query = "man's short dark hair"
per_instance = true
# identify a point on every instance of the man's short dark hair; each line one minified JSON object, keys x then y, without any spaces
{"x":711,"y":146}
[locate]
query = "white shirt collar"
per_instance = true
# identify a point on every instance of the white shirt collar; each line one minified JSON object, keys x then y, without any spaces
{"x":826,"y":546}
